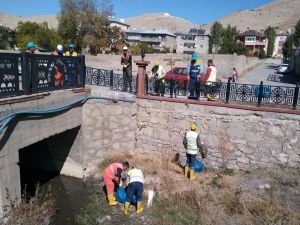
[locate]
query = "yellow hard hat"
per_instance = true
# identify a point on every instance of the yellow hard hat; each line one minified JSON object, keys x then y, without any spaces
{"x":194,"y":126}
{"x":156,"y":63}
{"x":198,"y":61}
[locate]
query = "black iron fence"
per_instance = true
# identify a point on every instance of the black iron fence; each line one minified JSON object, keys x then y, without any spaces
{"x":227,"y":92}
{"x":109,"y":78}
{"x":29,"y":73}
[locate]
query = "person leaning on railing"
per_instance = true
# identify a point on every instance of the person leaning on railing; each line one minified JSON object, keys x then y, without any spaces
{"x":71,"y":51}
{"x":210,"y":78}
{"x":158,"y":73}
{"x":31,"y":47}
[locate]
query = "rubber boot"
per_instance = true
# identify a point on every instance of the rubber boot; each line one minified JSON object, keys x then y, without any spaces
{"x":192,"y":176}
{"x":186,"y":171}
{"x":111,"y":200}
{"x":139,"y":207}
{"x":209,"y":98}
{"x":126,"y":208}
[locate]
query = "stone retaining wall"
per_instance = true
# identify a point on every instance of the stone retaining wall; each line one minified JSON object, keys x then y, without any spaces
{"x":239,"y":139}
{"x":107,"y":128}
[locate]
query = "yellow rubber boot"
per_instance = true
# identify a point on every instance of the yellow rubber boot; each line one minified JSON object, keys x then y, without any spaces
{"x":126,"y":208}
{"x":209,"y":97}
{"x":139,"y":207}
{"x":192,"y":176}
{"x":186,"y":171}
{"x":111,"y":200}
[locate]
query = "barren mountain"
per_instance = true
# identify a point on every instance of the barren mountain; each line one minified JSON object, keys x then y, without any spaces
{"x":159,"y":20}
{"x":282,"y":14}
{"x":11,"y":21}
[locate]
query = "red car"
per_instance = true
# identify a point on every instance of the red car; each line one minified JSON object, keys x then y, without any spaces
{"x":179,"y":74}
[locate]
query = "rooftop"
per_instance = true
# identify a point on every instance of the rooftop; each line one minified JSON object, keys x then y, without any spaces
{"x":155,"y":31}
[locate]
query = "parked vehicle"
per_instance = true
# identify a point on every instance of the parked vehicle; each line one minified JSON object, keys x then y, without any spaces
{"x":282,"y":68}
{"x":179,"y":74}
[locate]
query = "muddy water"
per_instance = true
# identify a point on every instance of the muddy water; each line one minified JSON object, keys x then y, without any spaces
{"x":70,"y":194}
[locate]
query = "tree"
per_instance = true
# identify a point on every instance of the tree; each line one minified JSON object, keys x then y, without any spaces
{"x":296,"y":35}
{"x":287,"y":48}
{"x":38,"y":33}
{"x":81,"y":22}
{"x":270,"y":32}
{"x":216,"y":32}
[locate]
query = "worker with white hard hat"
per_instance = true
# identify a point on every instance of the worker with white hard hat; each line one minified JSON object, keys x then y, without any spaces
{"x":59,"y":50}
{"x":126,"y":62}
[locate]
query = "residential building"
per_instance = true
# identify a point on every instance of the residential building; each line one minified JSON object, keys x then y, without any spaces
{"x":118,"y":23}
{"x":253,"y":40}
{"x":159,"y":39}
{"x":196,"y":40}
{"x":278,"y":45}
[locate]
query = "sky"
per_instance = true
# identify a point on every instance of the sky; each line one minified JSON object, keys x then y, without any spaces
{"x":197,"y":11}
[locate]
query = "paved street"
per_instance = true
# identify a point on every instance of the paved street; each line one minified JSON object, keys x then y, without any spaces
{"x":267,"y":73}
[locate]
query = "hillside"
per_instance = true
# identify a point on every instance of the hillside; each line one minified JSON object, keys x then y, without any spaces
{"x":282,"y":14}
{"x":159,"y":20}
{"x":11,"y":21}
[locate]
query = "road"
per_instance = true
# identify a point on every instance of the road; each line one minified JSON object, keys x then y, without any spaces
{"x":267,"y":73}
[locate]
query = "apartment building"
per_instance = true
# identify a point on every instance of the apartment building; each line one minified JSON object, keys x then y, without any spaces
{"x":159,"y":39}
{"x":195,"y":40}
{"x":253,"y":40}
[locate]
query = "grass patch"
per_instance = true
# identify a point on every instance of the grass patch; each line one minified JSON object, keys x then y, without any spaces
{"x":38,"y":210}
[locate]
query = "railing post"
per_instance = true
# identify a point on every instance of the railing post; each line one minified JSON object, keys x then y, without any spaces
{"x":82,"y":71}
{"x":172,"y":86}
{"x":111,"y":79}
{"x":26,"y":75}
{"x":296,"y":96}
{"x":228,"y":90}
{"x":260,"y":93}
{"x":141,"y":76}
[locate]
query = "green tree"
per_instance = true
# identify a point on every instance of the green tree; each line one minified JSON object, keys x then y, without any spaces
{"x":81,"y":22}
{"x":39,"y":33}
{"x":287,"y":48}
{"x":270,"y":32}
{"x":216,"y":39}
{"x":296,"y":35}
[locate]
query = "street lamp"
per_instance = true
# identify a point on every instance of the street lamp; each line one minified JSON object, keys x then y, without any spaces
{"x":143,"y":54}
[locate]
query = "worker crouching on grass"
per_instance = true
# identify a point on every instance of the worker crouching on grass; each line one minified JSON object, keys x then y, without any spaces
{"x":192,"y":143}
{"x":135,"y":181}
{"x":111,"y":176}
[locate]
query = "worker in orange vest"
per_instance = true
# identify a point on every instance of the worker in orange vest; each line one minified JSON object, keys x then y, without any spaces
{"x":111,"y":176}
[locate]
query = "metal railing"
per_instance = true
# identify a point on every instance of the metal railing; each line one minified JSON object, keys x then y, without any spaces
{"x":109,"y":78}
{"x":227,"y":92}
{"x":25,"y":74}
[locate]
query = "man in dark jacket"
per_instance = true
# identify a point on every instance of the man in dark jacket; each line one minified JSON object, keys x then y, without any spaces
{"x":126,"y":62}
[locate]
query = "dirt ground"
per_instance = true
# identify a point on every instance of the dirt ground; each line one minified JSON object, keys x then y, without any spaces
{"x":263,"y":196}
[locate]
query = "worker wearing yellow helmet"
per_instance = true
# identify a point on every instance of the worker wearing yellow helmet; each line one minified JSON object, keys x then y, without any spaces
{"x":158,"y":73}
{"x":192,"y":143}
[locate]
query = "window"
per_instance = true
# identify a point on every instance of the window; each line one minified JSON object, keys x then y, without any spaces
{"x":250,"y":39}
{"x":201,"y":46}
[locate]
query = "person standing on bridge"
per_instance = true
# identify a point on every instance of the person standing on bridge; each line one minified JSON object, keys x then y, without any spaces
{"x":126,"y":62}
{"x":193,"y":76}
{"x":158,"y":73}
{"x":210,"y":78}
{"x":111,"y":176}
{"x":31,"y":47}
{"x":71,"y":51}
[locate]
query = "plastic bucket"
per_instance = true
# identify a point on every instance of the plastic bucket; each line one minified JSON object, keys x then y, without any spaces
{"x":199,"y":167}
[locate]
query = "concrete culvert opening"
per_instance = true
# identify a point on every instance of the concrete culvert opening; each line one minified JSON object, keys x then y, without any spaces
{"x":43,"y":165}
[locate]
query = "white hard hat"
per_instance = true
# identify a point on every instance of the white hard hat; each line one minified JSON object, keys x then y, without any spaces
{"x":125,"y":48}
{"x":59,"y":47}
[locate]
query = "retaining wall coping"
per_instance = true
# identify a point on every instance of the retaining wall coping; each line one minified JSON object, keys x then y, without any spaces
{"x":221,"y":104}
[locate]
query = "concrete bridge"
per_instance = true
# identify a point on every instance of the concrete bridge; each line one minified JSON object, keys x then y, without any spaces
{"x":75,"y":140}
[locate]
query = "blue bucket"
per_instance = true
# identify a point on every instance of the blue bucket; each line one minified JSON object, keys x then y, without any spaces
{"x":121,"y":196}
{"x":199,"y":167}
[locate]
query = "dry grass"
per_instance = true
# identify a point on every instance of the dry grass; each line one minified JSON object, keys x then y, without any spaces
{"x":39,"y":210}
{"x":214,"y":198}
